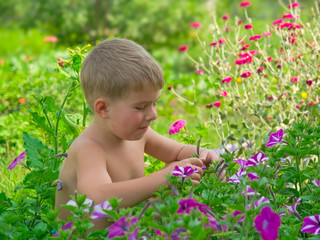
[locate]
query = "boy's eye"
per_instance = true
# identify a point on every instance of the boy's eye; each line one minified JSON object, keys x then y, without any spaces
{"x":140,"y":108}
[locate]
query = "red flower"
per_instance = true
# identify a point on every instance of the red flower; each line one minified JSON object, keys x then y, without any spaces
{"x":51,"y":39}
{"x":209,"y":105}
{"x":183,"y":48}
{"x":245,"y":4}
{"x":170,"y":87}
{"x":22,"y":100}
{"x":270,"y":98}
{"x":269,"y":118}
{"x":213,"y":44}
{"x":309,"y":82}
{"x":269,"y":59}
{"x":277,"y":22}
{"x":246,"y":74}
{"x":260,"y":69}
{"x":293,"y":5}
{"x":288,"y":15}
{"x":239,"y":22}
{"x":298,"y":107}
{"x":255,"y":37}
{"x":247,"y":26}
{"x":223,"y":93}
{"x":217,"y":104}
{"x":195,"y":25}
{"x":225,"y":17}
{"x":245,"y":47}
{"x":226,"y":80}
{"x":61,"y":62}
{"x":312,"y":103}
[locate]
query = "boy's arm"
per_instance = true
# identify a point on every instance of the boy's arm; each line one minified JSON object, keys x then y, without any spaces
{"x":94,"y":180}
{"x":168,"y":150}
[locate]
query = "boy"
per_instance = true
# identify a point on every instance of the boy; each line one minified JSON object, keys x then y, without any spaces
{"x":121,"y":84}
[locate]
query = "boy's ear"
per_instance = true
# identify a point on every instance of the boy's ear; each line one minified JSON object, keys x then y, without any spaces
{"x":101,"y":107}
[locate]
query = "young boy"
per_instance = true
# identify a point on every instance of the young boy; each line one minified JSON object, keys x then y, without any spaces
{"x":121,"y":84}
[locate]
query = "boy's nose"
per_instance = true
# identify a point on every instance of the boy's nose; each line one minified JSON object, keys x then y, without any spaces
{"x":152,"y":114}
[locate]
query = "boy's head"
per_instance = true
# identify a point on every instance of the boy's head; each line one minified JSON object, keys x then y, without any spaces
{"x":115,"y":67}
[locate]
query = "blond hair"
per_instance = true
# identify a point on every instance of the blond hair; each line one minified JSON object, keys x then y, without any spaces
{"x":115,"y":67}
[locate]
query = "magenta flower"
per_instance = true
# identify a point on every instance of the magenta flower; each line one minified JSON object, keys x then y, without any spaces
{"x":236,"y":177}
{"x":121,"y":227}
{"x":255,"y":37}
{"x":256,"y":159}
{"x":277,"y":22}
{"x":241,"y":162}
{"x":275,"y":138}
{"x":225,"y":17}
{"x":288,"y":15}
{"x":183,"y":171}
{"x":217,"y":104}
{"x":195,"y":25}
{"x":294,"y":80}
{"x":249,"y":192}
{"x":176,"y":126}
{"x":261,"y":201}
{"x":88,"y":203}
{"x":199,"y":71}
{"x":223,"y":93}
{"x":260,"y":69}
{"x":267,"y":223}
{"x":246,"y":74}
{"x":222,"y":41}
{"x":226,"y":80}
{"x":183,"y":48}
{"x":293,"y":208}
{"x":98,"y":212}
{"x":247,"y":26}
{"x":244,"y":47}
{"x":293,"y":5}
{"x":309,"y":82}
{"x":317,"y":183}
{"x":52,"y":39}
{"x":311,"y":224}
{"x":17,"y":161}
{"x":253,"y":176}
{"x":245,"y":4}
{"x":266,"y":34}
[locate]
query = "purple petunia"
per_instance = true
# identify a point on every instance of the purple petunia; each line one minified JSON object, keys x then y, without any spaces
{"x":66,"y":226}
{"x":241,"y":162}
{"x":176,"y":126}
{"x":293,"y":208}
{"x":187,"y":204}
{"x":183,"y":171}
{"x":315,"y":182}
{"x":256,"y":159}
{"x":98,"y":212}
{"x":311,"y":224}
{"x":121,"y":227}
{"x":261,"y":201}
{"x":267,"y":223}
{"x":236,"y":177}
{"x":88,"y":202}
{"x":253,"y":176}
{"x":275,"y":138}
{"x":17,"y":161}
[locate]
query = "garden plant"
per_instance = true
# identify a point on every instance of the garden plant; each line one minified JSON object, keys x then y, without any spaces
{"x":253,"y":97}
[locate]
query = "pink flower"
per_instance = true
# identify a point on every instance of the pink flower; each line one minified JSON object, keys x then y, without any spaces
{"x":195,"y":25}
{"x":256,"y":159}
{"x":269,"y":59}
{"x":98,"y":211}
{"x":241,"y":162}
{"x":183,"y":171}
{"x":17,"y":161}
{"x":61,"y":62}
{"x":52,"y":39}
{"x":267,"y":34}
{"x":236,"y":177}
{"x":267,"y":223}
{"x":226,"y":80}
{"x":176,"y":126}
{"x":183,"y":48}
{"x":254,"y":38}
{"x":288,"y":15}
{"x":247,"y":26}
{"x":222,"y":41}
{"x":213,"y":44}
{"x":269,"y":118}
{"x":225,"y":17}
{"x":311,"y":224}
{"x":199,"y":71}
{"x":217,"y":104}
{"x":245,"y":4}
{"x":294,"y":80}
{"x":246,"y":74}
{"x":253,"y":176}
{"x":239,"y":22}
{"x":293,"y":5}
{"x":223,"y":93}
{"x":277,"y":22}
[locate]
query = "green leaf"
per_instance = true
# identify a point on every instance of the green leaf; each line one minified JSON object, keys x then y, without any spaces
{"x":77,"y":61}
{"x":289,"y":191}
{"x":40,"y":121}
{"x":33,"y":146}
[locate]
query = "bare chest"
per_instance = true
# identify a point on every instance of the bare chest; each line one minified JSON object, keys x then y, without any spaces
{"x":126,"y":163}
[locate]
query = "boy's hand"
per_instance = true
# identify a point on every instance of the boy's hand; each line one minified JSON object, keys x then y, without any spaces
{"x":195,"y":163}
{"x":208,"y":156}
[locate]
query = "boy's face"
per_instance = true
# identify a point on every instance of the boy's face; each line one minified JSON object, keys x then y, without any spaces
{"x":131,"y":116}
